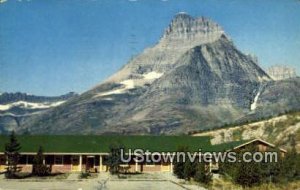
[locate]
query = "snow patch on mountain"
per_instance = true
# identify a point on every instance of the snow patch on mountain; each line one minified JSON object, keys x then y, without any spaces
{"x":30,"y":105}
{"x":152,"y":75}
{"x":127,"y":85}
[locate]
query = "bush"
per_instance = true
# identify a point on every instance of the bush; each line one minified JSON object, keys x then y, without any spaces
{"x":249,"y":174}
{"x":41,"y":170}
{"x":84,"y":175}
{"x":189,"y":170}
{"x":202,"y":175}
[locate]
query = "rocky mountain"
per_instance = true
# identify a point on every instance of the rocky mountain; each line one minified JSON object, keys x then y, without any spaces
{"x":16,"y":108}
{"x":193,"y":78}
{"x":281,"y":72}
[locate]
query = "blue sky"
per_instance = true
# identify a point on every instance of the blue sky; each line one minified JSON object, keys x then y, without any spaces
{"x":50,"y":47}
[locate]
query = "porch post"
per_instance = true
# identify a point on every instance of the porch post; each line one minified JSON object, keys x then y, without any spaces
{"x":171,"y":165}
{"x":136,"y":165}
{"x":80,"y":163}
{"x":210,"y":166}
{"x":100,"y":164}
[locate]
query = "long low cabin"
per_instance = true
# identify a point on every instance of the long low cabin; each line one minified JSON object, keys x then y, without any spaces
{"x":89,"y":153}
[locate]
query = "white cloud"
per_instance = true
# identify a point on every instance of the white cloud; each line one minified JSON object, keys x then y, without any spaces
{"x":3,"y":1}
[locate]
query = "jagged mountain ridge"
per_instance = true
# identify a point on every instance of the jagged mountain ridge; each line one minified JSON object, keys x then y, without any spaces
{"x":193,"y":78}
{"x":280,"y":72}
{"x":6,"y":98}
{"x":16,"y":108}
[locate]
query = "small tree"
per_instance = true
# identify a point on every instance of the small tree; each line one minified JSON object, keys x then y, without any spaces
{"x":249,"y":173}
{"x":114,"y":159}
{"x":290,"y":161}
{"x":179,"y":165}
{"x":189,"y":170}
{"x":12,"y":155}
{"x":39,"y":168}
{"x":273,"y":171}
{"x":227,"y":168}
{"x":202,"y":175}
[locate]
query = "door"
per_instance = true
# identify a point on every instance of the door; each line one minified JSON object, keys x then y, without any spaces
{"x":90,"y":163}
{"x":2,"y":164}
{"x":75,"y":164}
{"x":165,"y":167}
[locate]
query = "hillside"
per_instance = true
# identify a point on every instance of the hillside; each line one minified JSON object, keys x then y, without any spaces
{"x":276,"y":130}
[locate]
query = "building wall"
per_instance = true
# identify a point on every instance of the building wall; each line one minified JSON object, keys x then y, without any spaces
{"x":67,"y":165}
{"x":61,"y":168}
{"x":262,"y":147}
{"x":151,"y":168}
{"x":25,"y":168}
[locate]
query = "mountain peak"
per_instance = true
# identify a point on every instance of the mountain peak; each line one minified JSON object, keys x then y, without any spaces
{"x":182,"y":16}
{"x":187,"y":28}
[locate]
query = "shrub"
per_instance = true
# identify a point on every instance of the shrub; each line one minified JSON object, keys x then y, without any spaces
{"x":84,"y":175}
{"x":189,"y":170}
{"x":202,"y":174}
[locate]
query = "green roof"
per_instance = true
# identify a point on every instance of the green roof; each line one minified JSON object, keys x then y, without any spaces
{"x":228,"y":145}
{"x":101,"y":144}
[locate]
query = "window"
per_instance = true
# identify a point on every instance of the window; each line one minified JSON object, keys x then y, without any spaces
{"x":2,"y":160}
{"x":23,"y":159}
{"x":30,"y":159}
{"x":75,"y":160}
{"x":26,"y":159}
{"x":58,"y":160}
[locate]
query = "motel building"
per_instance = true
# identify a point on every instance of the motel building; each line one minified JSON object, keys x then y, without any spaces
{"x":89,"y":153}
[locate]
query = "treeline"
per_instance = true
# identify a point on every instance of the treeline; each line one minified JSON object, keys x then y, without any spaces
{"x":286,"y":169}
{"x":246,"y":174}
